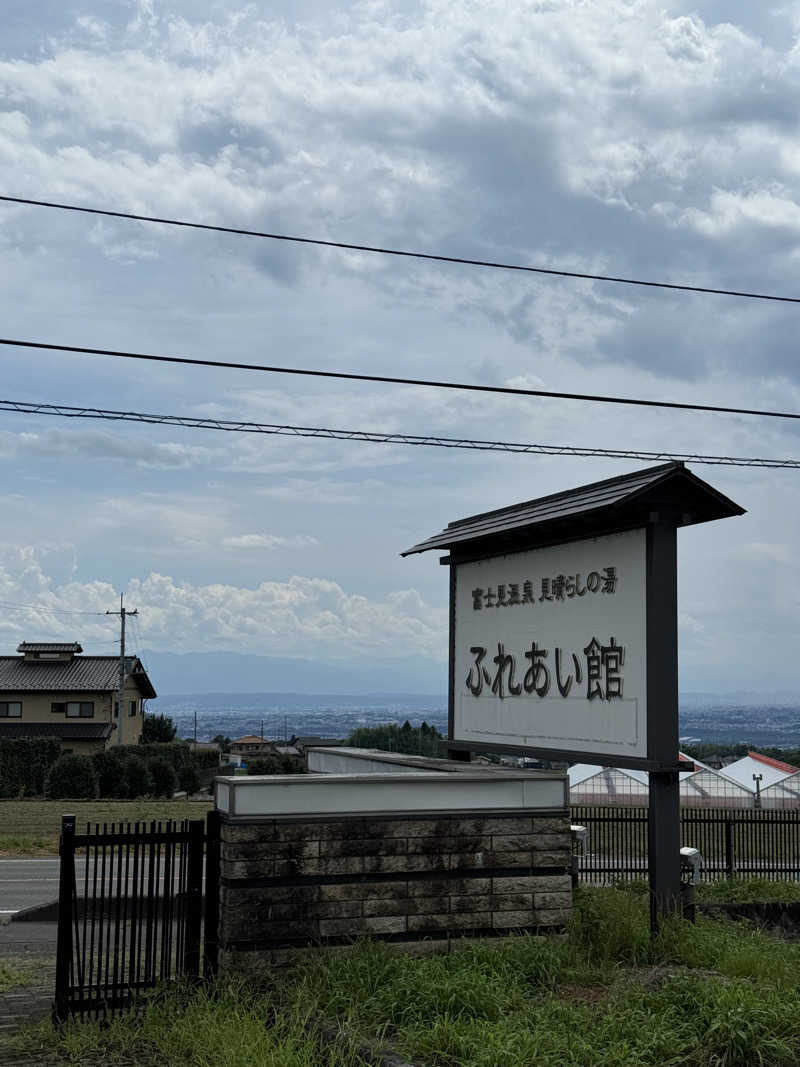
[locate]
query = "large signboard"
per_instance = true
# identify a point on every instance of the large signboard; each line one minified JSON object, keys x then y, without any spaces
{"x":549,"y":649}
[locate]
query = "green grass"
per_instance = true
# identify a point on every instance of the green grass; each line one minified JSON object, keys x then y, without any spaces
{"x":31,"y":827}
{"x":747,"y":890}
{"x":229,"y":1027}
{"x":714,"y":994}
{"x":14,"y":973}
{"x":25,"y":845}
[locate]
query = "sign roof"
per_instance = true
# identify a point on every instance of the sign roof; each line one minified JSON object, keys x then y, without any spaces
{"x":614,"y":502}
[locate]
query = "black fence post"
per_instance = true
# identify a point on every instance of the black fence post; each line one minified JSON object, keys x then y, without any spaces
{"x":730,"y":866}
{"x":194,"y":899}
{"x":66,"y":902}
{"x":211,"y":916}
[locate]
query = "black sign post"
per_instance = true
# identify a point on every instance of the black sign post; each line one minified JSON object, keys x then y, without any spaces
{"x":663,"y":815}
{"x":646,"y":508}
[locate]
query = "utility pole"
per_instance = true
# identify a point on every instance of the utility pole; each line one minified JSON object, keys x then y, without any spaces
{"x":121,"y":681}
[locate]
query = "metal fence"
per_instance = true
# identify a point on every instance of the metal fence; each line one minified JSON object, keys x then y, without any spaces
{"x":732,"y":842}
{"x":132,"y":911}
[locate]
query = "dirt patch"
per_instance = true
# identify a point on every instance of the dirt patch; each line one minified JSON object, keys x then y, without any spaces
{"x":584,"y":994}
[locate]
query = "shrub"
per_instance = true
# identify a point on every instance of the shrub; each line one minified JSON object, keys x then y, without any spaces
{"x":177,"y":752}
{"x":206,"y":758}
{"x":72,"y":776}
{"x":165,"y":780}
{"x":24,"y":763}
{"x":140,"y":781}
{"x":111,"y":766}
{"x":277,"y":763}
{"x":188,"y":778}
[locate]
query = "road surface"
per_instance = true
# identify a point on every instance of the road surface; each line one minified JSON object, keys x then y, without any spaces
{"x":26,"y":882}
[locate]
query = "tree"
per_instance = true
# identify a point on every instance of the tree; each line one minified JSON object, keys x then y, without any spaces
{"x":165,"y":780}
{"x":223,"y":741}
{"x":72,"y":776}
{"x":277,"y":763}
{"x":140,"y":781}
{"x":111,"y":767}
{"x":417,"y":741}
{"x":188,"y":778}
{"x":158,"y":728}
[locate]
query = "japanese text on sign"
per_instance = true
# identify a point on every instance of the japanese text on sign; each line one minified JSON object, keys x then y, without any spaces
{"x":561,"y":587}
{"x":603,"y":671}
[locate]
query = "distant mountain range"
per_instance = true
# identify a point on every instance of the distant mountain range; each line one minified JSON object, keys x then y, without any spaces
{"x":231,"y":672}
{"x":214,"y":673}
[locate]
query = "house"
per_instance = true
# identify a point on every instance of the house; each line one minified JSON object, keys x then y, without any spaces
{"x":53,"y":690}
{"x":250,"y":747}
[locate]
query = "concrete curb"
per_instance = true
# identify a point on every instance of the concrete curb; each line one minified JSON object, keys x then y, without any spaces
{"x":38,"y":913}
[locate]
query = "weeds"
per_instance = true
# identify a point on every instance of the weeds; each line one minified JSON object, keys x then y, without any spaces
{"x":716,"y":994}
{"x":748,"y":890}
{"x":16,"y":973}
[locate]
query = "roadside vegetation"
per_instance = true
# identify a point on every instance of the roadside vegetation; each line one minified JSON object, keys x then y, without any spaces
{"x":748,"y":890}
{"x":716,"y":994}
{"x":32,"y":827}
{"x":15,"y":974}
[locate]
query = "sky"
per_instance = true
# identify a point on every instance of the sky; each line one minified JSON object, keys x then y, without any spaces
{"x":627,"y":137}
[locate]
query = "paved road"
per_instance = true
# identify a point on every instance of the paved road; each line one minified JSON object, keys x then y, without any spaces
{"x":26,"y":882}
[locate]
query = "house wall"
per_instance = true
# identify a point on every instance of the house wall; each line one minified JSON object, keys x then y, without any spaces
{"x":36,"y":708}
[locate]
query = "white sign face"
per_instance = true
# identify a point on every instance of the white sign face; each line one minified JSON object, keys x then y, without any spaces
{"x":550,"y":648}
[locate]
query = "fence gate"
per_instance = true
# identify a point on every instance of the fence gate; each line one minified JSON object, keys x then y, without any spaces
{"x":132,"y":911}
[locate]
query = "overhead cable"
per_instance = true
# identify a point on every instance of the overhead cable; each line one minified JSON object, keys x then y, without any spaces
{"x":46,"y":609}
{"x":437,"y":258}
{"x":373,"y":437}
{"x":504,"y":390}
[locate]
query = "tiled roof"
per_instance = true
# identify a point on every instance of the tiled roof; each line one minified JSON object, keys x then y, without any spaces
{"x":64,"y":731}
{"x":49,"y":646}
{"x":83,"y":673}
{"x":613,"y":496}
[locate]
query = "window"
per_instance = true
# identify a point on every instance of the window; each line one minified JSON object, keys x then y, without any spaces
{"x":10,"y":710}
{"x":116,"y":709}
{"x":132,"y":709}
{"x":80,"y":709}
{"x":58,"y":708}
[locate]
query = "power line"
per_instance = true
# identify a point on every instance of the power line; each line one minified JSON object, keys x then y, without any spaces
{"x":238,"y":232}
{"x":505,"y":390}
{"x":371,"y":437}
{"x":44,"y":608}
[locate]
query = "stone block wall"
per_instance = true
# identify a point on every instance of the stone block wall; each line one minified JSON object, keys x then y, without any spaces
{"x":291,"y":882}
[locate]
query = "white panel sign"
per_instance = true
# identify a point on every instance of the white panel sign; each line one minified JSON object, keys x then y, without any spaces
{"x":550,"y":648}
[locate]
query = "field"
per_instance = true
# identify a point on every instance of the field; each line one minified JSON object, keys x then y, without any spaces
{"x":714,"y":994}
{"x":31,"y":827}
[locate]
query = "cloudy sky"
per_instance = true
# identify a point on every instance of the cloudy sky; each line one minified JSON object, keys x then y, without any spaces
{"x":630,"y":137}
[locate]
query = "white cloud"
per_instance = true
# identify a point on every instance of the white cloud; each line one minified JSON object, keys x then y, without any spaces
{"x":269,"y":541}
{"x":311,"y":617}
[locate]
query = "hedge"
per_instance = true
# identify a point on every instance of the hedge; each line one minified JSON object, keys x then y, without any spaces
{"x":72,"y":776}
{"x":24,"y":763}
